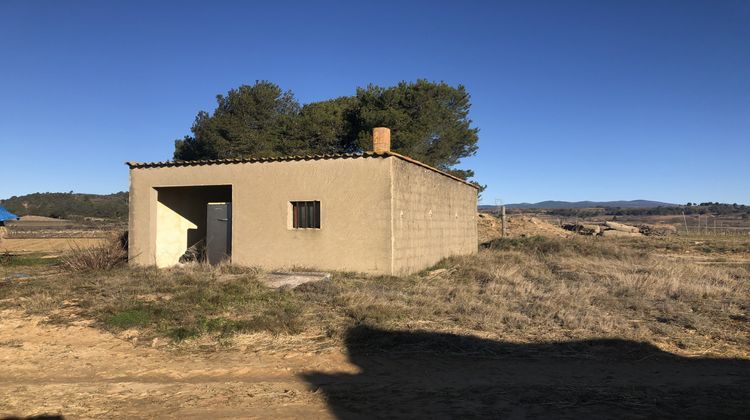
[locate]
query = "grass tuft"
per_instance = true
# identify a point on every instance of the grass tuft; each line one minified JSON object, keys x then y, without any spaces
{"x":129,"y":319}
{"x":109,"y":255}
{"x":32,"y":260}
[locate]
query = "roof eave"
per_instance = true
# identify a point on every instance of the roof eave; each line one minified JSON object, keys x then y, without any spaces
{"x":170,"y":164}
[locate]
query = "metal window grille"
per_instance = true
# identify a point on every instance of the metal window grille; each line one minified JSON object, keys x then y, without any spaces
{"x":306,"y":214}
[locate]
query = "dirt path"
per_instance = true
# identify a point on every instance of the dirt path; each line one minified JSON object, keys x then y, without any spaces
{"x":78,"y":371}
{"x":52,"y":245}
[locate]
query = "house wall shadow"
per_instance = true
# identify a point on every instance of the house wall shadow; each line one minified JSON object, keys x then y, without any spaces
{"x":190,"y":203}
{"x":431,"y":375}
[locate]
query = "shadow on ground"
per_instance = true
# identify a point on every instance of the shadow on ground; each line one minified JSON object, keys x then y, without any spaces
{"x":431,"y":375}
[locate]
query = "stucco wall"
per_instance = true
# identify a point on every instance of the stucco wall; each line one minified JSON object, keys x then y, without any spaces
{"x":171,"y":235}
{"x":433,"y":217}
{"x":354,"y":193}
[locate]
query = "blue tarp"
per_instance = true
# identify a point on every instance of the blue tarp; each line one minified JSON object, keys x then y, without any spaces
{"x":6,"y":215}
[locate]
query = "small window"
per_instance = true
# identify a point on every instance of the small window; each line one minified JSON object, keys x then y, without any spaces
{"x":306,"y":214}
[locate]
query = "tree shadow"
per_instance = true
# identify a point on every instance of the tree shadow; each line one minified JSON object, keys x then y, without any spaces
{"x":432,"y":375}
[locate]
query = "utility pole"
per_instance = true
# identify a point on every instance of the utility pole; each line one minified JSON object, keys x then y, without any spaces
{"x":699,"y":224}
{"x":685,"y":220}
{"x":502,"y":218}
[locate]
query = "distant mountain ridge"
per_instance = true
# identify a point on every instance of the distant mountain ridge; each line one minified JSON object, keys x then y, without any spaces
{"x":550,"y":204}
{"x":69,"y":205}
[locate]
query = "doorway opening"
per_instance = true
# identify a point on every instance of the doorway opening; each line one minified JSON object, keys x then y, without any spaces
{"x":185,"y":219}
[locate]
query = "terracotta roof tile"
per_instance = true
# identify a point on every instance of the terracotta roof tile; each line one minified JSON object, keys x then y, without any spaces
{"x":169,"y":164}
{"x":173,"y":163}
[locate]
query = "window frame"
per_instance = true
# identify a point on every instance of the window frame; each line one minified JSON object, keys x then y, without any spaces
{"x":304,"y":215}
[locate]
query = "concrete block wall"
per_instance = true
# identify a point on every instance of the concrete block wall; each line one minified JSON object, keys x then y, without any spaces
{"x":433,"y":217}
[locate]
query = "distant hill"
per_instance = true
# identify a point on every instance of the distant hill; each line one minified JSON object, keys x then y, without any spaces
{"x":69,"y":205}
{"x":632,"y":204}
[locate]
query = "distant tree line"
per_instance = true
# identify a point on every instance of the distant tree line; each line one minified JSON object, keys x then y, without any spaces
{"x":688,"y":209}
{"x":69,"y":205}
{"x":578,"y":212}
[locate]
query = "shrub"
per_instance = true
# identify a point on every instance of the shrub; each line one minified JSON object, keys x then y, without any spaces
{"x":110,"y":254}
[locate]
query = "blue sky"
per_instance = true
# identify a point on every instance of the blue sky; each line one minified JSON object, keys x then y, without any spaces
{"x":598,"y":100}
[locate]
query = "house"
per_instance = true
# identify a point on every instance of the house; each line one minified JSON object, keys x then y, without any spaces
{"x":375,"y":212}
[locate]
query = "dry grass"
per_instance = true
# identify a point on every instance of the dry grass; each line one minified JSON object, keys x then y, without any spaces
{"x":537,"y":289}
{"x":519,"y":290}
{"x":110,"y":254}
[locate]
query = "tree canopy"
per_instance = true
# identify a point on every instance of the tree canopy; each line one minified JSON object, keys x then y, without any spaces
{"x":429,"y":122}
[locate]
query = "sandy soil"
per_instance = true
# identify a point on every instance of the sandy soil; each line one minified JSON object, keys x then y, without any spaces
{"x":79,"y":371}
{"x":47,"y":245}
{"x":489,"y":227}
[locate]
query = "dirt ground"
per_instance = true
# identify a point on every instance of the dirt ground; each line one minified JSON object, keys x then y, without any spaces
{"x":80,"y":372}
{"x":489,"y":227}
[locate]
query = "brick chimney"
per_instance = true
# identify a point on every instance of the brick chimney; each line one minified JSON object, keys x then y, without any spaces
{"x":381,"y":139}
